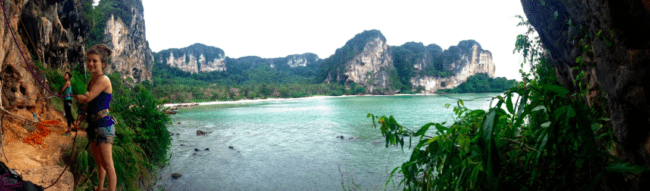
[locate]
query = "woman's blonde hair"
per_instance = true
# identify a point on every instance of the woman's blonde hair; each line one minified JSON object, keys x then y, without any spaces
{"x":103,"y":51}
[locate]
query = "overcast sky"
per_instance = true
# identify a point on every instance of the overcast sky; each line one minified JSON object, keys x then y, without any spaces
{"x":272,"y":29}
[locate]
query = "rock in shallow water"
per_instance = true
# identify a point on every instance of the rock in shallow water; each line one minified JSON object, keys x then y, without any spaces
{"x":199,"y":132}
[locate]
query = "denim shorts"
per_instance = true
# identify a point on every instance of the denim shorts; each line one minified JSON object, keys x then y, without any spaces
{"x":101,"y":134}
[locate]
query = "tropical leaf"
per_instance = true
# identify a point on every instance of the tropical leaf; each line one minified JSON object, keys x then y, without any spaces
{"x":559,"y":90}
{"x":625,"y":167}
{"x":509,"y":104}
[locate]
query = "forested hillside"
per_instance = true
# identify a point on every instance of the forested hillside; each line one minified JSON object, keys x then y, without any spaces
{"x":364,"y":65}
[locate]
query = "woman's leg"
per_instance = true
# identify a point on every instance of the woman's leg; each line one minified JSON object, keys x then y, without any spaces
{"x":107,"y":158}
{"x":97,"y":154}
{"x":67,"y":106}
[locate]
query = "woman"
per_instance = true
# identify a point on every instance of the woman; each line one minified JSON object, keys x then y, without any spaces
{"x":67,"y":100}
{"x":101,"y":128}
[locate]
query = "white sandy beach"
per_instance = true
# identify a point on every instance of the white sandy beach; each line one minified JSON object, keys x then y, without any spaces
{"x":245,"y":101}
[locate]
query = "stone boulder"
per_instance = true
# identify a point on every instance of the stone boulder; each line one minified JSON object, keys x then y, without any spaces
{"x":199,"y":132}
{"x":176,"y":175}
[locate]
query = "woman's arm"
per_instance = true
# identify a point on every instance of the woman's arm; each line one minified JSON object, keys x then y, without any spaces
{"x":66,"y":85}
{"x":95,"y":90}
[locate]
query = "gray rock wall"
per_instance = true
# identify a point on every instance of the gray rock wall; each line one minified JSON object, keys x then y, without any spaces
{"x":132,"y":57}
{"x":478,"y":61}
{"x":371,"y":67}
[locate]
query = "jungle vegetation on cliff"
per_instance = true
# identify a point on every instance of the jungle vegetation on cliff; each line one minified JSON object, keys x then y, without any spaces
{"x":481,"y":83}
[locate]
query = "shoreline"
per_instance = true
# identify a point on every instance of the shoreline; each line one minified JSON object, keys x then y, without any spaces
{"x":244,"y":101}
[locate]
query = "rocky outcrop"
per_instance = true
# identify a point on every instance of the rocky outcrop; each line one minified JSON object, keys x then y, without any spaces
{"x":195,"y":58}
{"x":470,"y":63}
{"x":432,"y":68}
{"x":50,"y":32}
{"x":302,"y":60}
{"x":132,"y":57}
{"x":366,"y":60}
{"x":54,"y":31}
{"x":618,"y":61}
{"x":201,"y":58}
{"x":371,"y":67}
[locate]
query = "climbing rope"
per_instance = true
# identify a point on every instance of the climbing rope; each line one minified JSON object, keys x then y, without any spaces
{"x":42,"y":131}
{"x":71,"y":153}
{"x":21,"y":51}
{"x":23,"y":97}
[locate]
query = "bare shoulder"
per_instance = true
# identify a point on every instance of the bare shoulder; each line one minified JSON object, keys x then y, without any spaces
{"x":105,"y":79}
{"x":107,"y":82}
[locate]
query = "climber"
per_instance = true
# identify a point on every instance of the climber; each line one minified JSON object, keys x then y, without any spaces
{"x":101,"y":127}
{"x":66,"y":90}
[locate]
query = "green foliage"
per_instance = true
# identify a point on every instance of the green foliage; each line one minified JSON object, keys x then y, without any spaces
{"x":407,"y":56}
{"x":78,"y":83}
{"x":544,"y":139}
{"x":481,"y":83}
{"x":53,"y":76}
{"x":394,"y":80}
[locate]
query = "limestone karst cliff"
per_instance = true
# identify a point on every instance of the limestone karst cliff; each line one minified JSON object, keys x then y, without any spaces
{"x":301,"y":60}
{"x":132,"y":57}
{"x":463,"y":61}
{"x":201,"y":58}
{"x":195,"y":58}
{"x":366,"y":60}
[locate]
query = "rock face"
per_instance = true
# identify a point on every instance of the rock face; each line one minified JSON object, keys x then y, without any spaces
{"x":201,"y":58}
{"x":462,"y":63}
{"x":619,"y":63}
{"x":371,"y":67}
{"x":132,"y":57}
{"x":195,"y":58}
{"x":301,"y":60}
{"x":51,"y":31}
{"x":366,"y":60}
{"x":54,"y":31}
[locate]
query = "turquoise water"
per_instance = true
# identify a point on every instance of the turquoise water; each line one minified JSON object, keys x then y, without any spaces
{"x":292,"y":144}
